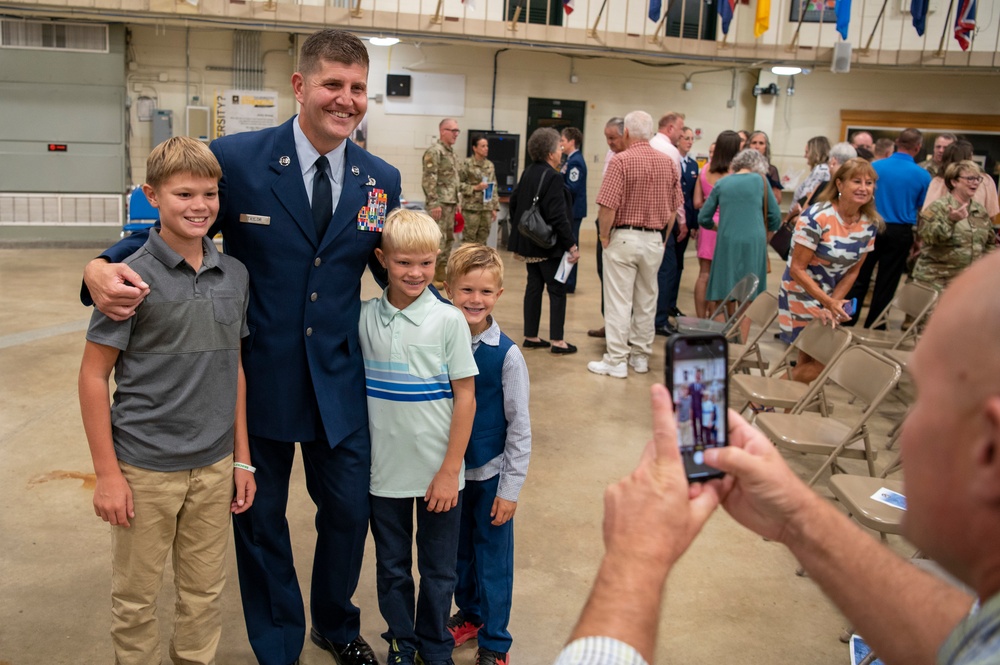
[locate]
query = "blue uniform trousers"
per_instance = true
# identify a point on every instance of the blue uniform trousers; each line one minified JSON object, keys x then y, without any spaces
{"x":485,"y":566}
{"x":272,"y":600}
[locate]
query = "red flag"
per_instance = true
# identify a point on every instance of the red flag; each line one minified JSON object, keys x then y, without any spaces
{"x":568,"y":6}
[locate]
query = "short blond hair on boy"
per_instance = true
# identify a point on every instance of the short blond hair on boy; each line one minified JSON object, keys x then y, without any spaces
{"x":410,"y":231}
{"x":471,"y":257}
{"x":181,"y":154}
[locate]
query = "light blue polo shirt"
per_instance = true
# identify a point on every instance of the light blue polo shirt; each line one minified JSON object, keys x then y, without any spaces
{"x":411,"y":357}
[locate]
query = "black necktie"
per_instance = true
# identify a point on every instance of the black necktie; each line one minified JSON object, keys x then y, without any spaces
{"x":322,"y":198}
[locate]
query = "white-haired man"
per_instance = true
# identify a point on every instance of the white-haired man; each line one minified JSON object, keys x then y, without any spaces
{"x":637,"y":204}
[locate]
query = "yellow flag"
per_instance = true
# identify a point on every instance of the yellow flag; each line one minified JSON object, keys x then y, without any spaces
{"x":763,"y":19}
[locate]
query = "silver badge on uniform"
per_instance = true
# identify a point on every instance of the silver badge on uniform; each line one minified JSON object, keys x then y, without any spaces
{"x":371,"y":182}
{"x":355,"y":170}
{"x":284,"y":160}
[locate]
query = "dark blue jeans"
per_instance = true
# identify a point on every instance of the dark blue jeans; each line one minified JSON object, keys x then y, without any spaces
{"x":485,"y":566}
{"x":437,"y":550}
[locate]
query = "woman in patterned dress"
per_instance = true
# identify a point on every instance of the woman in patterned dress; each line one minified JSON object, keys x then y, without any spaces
{"x":830,"y":242}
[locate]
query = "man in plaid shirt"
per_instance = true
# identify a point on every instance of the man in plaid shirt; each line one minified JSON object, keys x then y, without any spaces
{"x":637,"y":204}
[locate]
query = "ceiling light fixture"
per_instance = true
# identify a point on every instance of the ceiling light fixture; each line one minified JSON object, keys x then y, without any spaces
{"x":383,"y":41}
{"x":781,"y":70}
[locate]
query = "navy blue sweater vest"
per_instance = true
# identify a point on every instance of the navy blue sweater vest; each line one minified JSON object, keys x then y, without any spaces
{"x":489,"y":429}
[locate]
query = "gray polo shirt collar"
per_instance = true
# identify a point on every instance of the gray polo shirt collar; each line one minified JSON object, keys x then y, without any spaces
{"x":415,"y":313}
{"x":159,"y":248}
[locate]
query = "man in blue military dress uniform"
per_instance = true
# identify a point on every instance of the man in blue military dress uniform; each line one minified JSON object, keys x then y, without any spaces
{"x":574,"y":172}
{"x":303,"y":209}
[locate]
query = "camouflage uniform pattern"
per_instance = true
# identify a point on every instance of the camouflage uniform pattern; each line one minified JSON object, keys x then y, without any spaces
{"x":932,"y":168}
{"x":951,"y":247}
{"x":478,"y":215}
{"x":440,"y":183}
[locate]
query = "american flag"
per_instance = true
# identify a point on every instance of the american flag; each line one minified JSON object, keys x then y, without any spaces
{"x":568,"y":6}
{"x":965,"y":23}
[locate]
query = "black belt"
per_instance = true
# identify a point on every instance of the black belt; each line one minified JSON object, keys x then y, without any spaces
{"x":638,"y":228}
{"x":662,"y":232}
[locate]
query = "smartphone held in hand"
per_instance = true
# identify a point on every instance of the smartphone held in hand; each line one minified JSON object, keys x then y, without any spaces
{"x":698,"y":381}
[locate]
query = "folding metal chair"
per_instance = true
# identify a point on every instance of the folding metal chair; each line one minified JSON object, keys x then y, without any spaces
{"x":914,"y":299}
{"x":741,"y":294}
{"x":777,"y":390}
{"x":864,"y":374}
{"x":761,"y":313}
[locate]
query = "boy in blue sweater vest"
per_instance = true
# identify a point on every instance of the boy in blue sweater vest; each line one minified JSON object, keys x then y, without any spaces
{"x":496,"y":460}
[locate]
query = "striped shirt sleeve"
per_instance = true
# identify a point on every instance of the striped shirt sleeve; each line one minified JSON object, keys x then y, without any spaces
{"x":599,"y":651}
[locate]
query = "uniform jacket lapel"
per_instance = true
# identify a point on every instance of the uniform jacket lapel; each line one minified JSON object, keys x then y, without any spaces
{"x":287,"y":186}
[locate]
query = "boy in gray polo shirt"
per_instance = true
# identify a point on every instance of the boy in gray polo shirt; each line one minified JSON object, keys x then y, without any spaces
{"x":169,"y":450}
{"x":419,"y":373}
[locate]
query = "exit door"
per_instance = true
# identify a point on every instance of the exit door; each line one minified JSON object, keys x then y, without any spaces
{"x":555,"y":113}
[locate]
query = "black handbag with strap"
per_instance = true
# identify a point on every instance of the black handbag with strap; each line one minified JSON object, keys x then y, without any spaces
{"x":533,"y":226}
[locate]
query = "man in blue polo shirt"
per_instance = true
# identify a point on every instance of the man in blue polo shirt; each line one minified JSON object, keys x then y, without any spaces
{"x":899,"y":194}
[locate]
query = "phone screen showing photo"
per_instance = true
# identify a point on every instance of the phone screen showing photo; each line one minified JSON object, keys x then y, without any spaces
{"x":697,"y":378}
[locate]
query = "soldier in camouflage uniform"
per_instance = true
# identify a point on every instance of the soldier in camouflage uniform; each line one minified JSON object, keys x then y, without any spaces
{"x":478,"y":183}
{"x":440,"y":183}
{"x":955,"y":230}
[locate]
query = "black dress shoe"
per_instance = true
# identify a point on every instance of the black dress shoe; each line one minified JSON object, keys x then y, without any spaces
{"x":540,"y":344}
{"x":666,"y":330}
{"x":564,"y":350}
{"x":356,"y":653}
{"x":676,"y":312}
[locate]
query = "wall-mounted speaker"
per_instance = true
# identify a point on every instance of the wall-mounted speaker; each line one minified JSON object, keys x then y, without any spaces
{"x":841,"y":58}
{"x":398,"y":85}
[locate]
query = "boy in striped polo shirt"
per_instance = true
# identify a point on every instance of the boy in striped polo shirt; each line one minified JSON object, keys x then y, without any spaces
{"x":419,"y":373}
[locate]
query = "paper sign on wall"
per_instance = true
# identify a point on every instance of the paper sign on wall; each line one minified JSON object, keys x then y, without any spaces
{"x":244,"y":111}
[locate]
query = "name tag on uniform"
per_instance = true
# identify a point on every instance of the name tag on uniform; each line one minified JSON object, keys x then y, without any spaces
{"x":263,"y":220}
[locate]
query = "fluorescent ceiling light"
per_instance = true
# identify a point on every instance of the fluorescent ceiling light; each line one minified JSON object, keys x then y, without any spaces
{"x":383,"y":41}
{"x":786,"y":71}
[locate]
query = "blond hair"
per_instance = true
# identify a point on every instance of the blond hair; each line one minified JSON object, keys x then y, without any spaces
{"x":471,"y":257}
{"x":181,"y":154}
{"x":410,"y":231}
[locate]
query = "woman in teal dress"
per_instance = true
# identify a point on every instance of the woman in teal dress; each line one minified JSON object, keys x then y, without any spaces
{"x":741,"y":247}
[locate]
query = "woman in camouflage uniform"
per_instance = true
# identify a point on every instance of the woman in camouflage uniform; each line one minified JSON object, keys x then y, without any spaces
{"x":955,"y":230}
{"x":477,"y":182}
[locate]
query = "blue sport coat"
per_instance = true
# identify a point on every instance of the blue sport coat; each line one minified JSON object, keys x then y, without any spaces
{"x":689,"y":178}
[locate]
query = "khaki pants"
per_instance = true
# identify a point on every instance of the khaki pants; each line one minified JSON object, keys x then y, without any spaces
{"x":477,"y":226}
{"x":631,"y":261}
{"x":186,"y":512}
{"x":447,"y":226}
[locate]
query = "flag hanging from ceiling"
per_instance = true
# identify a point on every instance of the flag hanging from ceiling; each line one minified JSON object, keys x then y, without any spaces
{"x":763,"y":19}
{"x":918,"y":8}
{"x":843,"y":11}
{"x":726,"y":9}
{"x":965,"y":23}
{"x":568,"y":6}
{"x":654,"y":10}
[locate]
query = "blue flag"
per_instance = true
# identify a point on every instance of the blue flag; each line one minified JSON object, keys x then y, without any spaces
{"x":843,"y":11}
{"x":654,"y":10}
{"x":726,"y":9}
{"x":919,"y":10}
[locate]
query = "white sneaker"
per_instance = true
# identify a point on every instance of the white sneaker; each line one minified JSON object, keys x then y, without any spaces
{"x":639,"y":363}
{"x":619,"y":371}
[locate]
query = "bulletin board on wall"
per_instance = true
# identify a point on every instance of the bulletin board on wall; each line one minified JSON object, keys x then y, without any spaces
{"x":980,"y":130}
{"x":439,"y":95}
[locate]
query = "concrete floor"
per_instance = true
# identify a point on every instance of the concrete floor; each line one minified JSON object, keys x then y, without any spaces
{"x":733,"y":598}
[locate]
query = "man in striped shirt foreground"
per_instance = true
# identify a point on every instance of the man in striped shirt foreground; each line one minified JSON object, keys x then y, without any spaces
{"x":951,"y":444}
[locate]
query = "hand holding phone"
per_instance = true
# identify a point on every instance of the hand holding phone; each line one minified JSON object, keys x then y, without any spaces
{"x":698,"y":381}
